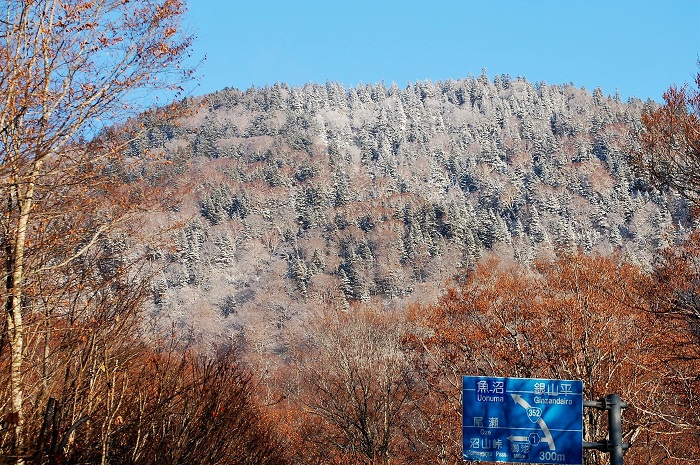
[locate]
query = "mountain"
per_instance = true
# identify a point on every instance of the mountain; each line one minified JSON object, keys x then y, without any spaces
{"x":324,"y":195}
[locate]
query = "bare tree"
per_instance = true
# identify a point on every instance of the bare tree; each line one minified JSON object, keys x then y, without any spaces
{"x":355,"y":378}
{"x":70,"y":69}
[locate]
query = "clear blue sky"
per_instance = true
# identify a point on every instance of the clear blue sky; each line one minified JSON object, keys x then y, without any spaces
{"x":636,"y":47}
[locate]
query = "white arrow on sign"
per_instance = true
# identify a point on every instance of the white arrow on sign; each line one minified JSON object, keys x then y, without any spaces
{"x":518,"y":399}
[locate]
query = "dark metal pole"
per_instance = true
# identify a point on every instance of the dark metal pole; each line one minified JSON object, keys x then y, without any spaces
{"x":615,"y":446}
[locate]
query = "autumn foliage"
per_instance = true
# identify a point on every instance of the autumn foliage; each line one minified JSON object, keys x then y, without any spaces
{"x":567,"y":320}
{"x":367,"y":386}
{"x":669,"y":142}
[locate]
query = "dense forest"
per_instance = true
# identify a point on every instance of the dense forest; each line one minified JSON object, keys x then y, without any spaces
{"x":302,"y":275}
{"x":323,"y":195}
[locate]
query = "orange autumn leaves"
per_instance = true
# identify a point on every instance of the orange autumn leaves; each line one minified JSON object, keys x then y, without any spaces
{"x":668,"y":154}
{"x":580,"y":317}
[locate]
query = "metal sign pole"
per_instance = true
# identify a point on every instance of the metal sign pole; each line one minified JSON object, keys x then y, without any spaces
{"x":613,"y":445}
{"x":615,"y":406}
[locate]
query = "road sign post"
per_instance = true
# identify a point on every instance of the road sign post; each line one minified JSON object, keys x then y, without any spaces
{"x":613,"y":445}
{"x":525,"y":420}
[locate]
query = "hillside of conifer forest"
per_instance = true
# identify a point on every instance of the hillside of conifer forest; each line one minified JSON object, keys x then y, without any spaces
{"x":323,"y":196}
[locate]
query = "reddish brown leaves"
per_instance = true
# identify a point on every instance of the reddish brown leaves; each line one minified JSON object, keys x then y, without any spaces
{"x":579,"y":317}
{"x":669,"y":152}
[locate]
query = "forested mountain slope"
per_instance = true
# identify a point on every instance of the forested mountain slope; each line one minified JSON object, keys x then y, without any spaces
{"x":323,"y":195}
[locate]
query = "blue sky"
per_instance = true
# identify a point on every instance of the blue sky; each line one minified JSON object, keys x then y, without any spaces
{"x":636,"y":47}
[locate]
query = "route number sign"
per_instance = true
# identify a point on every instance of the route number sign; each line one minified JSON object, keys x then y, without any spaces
{"x":522,"y":420}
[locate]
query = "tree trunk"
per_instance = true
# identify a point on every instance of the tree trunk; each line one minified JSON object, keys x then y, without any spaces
{"x":13,"y":307}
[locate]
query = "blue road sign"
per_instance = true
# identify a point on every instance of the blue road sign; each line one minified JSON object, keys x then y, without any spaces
{"x":522,"y":420}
